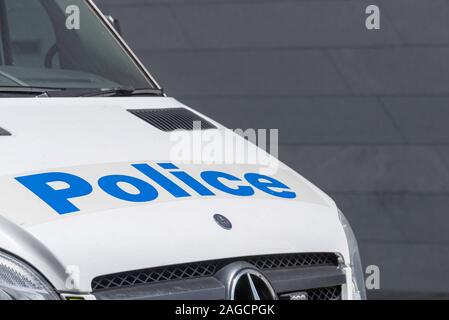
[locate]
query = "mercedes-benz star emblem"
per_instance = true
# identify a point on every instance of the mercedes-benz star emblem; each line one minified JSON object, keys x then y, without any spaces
{"x":243,"y":281}
{"x":250,"y":284}
{"x":223,"y":222}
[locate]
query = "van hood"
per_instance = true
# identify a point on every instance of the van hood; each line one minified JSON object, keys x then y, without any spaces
{"x":100,"y":231}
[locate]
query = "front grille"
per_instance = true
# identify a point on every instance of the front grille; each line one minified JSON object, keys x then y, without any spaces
{"x":331,"y":293}
{"x":209,"y":268}
{"x":293,"y":260}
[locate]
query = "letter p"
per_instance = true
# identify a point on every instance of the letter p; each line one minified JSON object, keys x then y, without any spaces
{"x":58,"y":199}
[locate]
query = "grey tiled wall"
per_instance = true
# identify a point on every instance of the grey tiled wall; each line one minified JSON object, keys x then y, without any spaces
{"x":363,"y":114}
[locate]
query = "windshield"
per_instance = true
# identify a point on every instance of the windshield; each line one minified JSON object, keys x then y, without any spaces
{"x":62,"y":44}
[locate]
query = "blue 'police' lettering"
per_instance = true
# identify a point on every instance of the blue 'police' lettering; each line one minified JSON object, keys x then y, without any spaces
{"x":192,"y":183}
{"x":109,"y":184}
{"x":268,"y":184}
{"x":187,"y":179}
{"x":162,"y":180}
{"x":213,"y":178}
{"x":57,"y":199}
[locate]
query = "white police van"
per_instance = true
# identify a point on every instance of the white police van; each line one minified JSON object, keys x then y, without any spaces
{"x":93,"y":206}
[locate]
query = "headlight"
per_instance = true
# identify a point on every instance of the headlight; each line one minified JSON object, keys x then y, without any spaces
{"x":19,"y":281}
{"x":358,"y":275}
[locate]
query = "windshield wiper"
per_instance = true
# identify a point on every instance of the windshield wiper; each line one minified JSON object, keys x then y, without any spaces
{"x":123,"y":92}
{"x":28,"y":90}
{"x":69,"y":92}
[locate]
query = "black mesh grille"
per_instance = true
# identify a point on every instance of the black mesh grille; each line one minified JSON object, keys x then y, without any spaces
{"x":3,"y":132}
{"x":173,"y":119}
{"x":293,"y":260}
{"x":331,"y":293}
{"x":209,"y":268}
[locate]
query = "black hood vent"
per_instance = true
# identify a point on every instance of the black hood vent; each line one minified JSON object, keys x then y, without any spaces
{"x":172,"y":119}
{"x":3,"y":132}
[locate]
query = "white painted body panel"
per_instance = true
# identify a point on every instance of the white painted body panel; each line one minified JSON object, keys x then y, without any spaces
{"x":96,"y":136}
